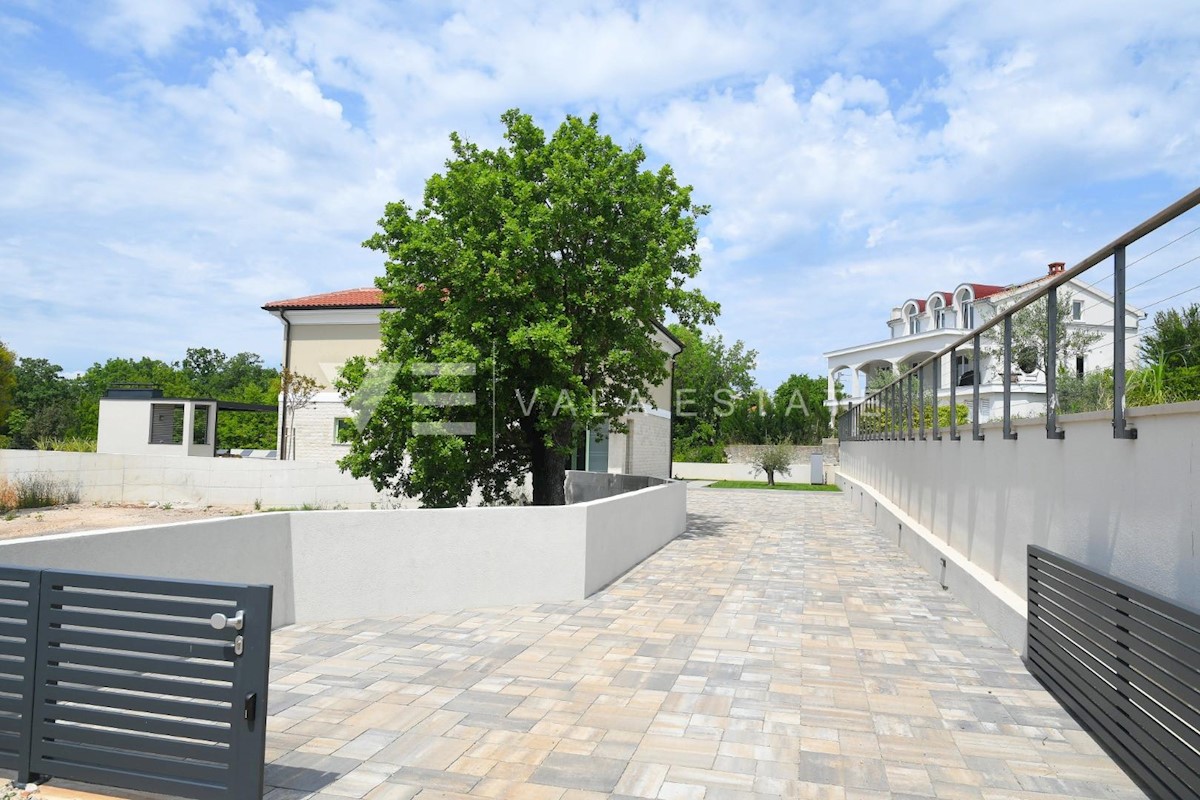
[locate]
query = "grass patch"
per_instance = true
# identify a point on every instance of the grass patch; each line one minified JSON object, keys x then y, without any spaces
{"x":35,"y":491}
{"x":785,"y":487}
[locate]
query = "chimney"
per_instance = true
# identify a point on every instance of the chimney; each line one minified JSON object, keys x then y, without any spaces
{"x":1057,"y":267}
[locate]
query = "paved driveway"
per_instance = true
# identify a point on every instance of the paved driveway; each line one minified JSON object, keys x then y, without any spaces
{"x":777,"y":649}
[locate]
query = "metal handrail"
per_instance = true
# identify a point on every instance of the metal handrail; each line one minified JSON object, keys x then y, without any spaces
{"x":1118,"y":245}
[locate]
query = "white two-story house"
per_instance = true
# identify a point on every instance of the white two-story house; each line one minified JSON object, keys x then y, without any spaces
{"x":921,"y":326}
{"x":320,"y":332}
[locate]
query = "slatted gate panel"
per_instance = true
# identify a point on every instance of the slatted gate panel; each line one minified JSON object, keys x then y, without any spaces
{"x":135,"y":688}
{"x":1126,"y":662}
{"x":18,"y":641}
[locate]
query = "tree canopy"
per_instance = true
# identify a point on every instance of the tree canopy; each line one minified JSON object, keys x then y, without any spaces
{"x":708,"y":376}
{"x":8,"y":383}
{"x":544,"y":264}
{"x":1174,"y":340}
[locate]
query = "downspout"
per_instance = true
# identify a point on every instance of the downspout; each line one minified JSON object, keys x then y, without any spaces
{"x":671,"y":419}
{"x":287,"y":362}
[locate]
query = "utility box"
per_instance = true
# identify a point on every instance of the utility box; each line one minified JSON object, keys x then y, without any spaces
{"x":817,"y":462}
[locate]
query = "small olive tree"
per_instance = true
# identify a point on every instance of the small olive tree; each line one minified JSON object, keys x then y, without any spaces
{"x":1030,"y":334}
{"x":772,"y":458}
{"x":298,"y":391}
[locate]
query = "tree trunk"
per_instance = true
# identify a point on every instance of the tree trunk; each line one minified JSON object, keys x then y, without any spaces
{"x":770,"y":477}
{"x":549,"y":467}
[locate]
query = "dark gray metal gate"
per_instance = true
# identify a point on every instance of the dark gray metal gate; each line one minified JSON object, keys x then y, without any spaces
{"x":1126,"y":662}
{"x":148,"y":684}
{"x":18,"y":644}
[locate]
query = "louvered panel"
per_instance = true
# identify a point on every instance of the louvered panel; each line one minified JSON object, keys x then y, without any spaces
{"x":1126,"y":662}
{"x":18,"y":632}
{"x":136,"y":689}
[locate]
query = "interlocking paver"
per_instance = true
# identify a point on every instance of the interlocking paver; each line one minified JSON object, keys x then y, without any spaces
{"x":779,"y":648}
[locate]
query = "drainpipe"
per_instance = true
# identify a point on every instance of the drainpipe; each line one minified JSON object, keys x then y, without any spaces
{"x":287,"y":362}
{"x":671,"y":419}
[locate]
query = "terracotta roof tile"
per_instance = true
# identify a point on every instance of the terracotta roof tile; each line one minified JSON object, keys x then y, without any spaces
{"x":368,"y":297}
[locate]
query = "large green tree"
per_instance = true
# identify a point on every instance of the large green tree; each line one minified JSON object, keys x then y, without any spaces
{"x":545,"y":264}
{"x":8,"y":384}
{"x":708,"y":375}
{"x":1174,"y":340}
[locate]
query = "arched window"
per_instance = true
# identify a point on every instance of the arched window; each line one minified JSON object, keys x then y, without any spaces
{"x":965,"y":300}
{"x":912,"y":314}
{"x":937,"y":311}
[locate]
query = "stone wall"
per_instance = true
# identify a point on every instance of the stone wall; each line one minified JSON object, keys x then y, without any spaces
{"x":650,"y":446}
{"x":313,"y":427}
{"x":743,"y":453}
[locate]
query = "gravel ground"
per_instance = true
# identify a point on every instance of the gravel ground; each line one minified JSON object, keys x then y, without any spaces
{"x":97,"y":516}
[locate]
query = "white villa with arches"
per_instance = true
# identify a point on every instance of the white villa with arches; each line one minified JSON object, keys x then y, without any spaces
{"x":920,"y":327}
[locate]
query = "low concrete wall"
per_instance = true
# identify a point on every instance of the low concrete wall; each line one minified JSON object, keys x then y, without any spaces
{"x":691,"y":470}
{"x":1128,"y":508}
{"x":623,"y":531}
{"x":112,"y":478}
{"x":344,"y":564}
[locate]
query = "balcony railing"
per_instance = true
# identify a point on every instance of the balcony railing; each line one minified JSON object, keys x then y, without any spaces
{"x":898,"y":410}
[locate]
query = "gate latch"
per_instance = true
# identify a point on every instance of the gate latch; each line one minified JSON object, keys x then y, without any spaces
{"x":251,"y":707}
{"x":220,"y":621}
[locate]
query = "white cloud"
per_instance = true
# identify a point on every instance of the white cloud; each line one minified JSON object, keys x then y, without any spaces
{"x":154,"y":28}
{"x":852,"y":159}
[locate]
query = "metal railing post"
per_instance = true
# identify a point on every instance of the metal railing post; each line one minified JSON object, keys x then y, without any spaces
{"x":1052,"y":431}
{"x":1121,"y":429}
{"x":937,"y":409}
{"x":908,"y":412}
{"x":977,"y":377}
{"x":954,"y":437}
{"x":921,"y":400}
{"x":1008,"y":431}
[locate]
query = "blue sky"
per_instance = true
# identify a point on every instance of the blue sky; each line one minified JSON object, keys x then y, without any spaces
{"x":168,"y":167}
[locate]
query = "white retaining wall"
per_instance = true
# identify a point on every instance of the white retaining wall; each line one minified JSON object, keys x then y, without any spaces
{"x":691,"y":470}
{"x":111,"y":478}
{"x":1129,"y":508}
{"x":329,"y":565}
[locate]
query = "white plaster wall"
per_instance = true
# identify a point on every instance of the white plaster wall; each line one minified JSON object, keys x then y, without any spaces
{"x":251,"y":549}
{"x":328,"y":565}
{"x":113,"y":478}
{"x":1128,"y":508}
{"x":364,"y":563}
{"x":623,"y":531}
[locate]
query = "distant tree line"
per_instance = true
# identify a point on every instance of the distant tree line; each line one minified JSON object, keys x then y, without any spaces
{"x":718,"y":402}
{"x":41,"y":408}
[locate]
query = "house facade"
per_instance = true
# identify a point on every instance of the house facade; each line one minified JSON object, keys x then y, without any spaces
{"x":320,"y":332}
{"x":922,"y":326}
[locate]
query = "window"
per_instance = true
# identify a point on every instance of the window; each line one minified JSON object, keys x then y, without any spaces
{"x":1079,"y":366}
{"x":914,"y":324}
{"x":343,"y":430}
{"x":968,"y":314}
{"x":591,"y":450}
{"x":200,"y":425}
{"x":1076,"y":309}
{"x":166,"y":423}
